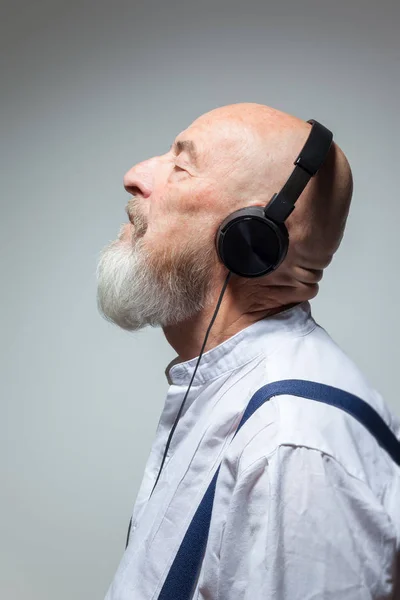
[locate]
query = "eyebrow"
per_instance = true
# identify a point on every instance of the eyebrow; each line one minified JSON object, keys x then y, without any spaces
{"x":187,"y":146}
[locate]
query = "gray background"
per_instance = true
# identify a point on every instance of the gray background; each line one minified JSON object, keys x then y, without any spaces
{"x":89,"y":89}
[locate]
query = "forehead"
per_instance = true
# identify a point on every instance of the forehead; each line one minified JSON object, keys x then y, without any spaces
{"x":216,"y":137}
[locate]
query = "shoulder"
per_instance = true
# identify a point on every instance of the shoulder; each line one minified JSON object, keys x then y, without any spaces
{"x":299,"y":422}
{"x":304,"y":424}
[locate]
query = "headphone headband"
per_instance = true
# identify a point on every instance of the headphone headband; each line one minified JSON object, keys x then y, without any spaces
{"x":309,"y":161}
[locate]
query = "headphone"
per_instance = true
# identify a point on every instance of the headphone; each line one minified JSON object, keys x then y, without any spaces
{"x":254,"y":241}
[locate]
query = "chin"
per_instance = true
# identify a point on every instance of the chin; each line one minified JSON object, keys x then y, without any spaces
{"x":125,"y":233}
{"x":129,"y":235}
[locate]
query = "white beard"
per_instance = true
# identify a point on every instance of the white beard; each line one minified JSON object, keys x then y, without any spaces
{"x":139,"y":287}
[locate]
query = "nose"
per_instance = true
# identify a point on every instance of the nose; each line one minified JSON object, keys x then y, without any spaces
{"x":139,"y":180}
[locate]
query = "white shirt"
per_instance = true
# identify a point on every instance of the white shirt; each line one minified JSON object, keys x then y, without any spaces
{"x":307,"y":504}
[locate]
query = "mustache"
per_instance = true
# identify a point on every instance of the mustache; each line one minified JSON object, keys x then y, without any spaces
{"x":134,"y":210}
{"x":136,"y":215}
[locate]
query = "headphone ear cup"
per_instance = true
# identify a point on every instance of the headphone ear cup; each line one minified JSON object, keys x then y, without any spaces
{"x":251,"y":245}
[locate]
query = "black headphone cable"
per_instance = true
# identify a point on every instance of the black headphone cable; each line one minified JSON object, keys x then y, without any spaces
{"x":187,"y":391}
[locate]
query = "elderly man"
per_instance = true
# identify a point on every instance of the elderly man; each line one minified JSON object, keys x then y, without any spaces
{"x":305,"y":501}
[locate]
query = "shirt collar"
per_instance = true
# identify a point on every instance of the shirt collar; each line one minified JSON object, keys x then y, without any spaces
{"x":258,"y":338}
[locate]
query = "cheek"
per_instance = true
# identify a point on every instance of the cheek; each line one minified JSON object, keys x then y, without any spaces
{"x":200,"y":199}
{"x":183,"y":208}
{"x":163,"y":219}
{"x":165,"y":200}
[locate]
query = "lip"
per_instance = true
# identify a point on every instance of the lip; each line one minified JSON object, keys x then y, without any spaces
{"x":129,"y":215}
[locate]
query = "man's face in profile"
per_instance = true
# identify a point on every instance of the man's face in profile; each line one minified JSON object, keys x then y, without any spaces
{"x":159,"y":270}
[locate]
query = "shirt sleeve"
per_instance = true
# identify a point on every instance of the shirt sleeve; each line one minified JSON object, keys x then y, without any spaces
{"x":299,"y":527}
